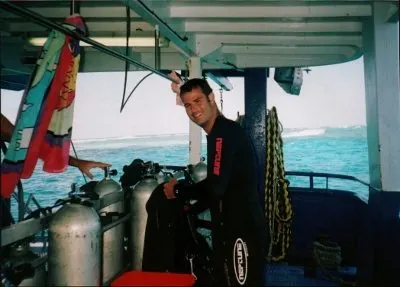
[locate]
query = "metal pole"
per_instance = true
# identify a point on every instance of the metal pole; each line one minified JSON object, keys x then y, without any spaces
{"x":39,"y":19}
{"x":21,"y":202}
{"x":157,"y":47}
{"x":194,"y":130}
{"x":255,"y":110}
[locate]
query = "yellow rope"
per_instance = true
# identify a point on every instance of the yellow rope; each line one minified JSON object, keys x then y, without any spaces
{"x":278,"y":207}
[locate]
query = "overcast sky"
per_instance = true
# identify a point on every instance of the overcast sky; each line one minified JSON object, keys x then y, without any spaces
{"x":331,"y":96}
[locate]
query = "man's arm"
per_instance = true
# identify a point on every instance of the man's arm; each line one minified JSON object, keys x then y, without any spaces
{"x":6,"y":129}
{"x":84,"y":165}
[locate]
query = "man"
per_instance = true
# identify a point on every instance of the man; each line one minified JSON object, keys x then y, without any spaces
{"x":239,"y":228}
{"x":83,"y":165}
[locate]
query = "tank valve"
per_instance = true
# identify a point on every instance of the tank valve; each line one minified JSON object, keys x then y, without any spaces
{"x":108,"y":172}
{"x":73,"y":189}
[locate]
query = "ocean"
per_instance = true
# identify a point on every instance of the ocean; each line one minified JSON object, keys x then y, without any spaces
{"x":340,"y":150}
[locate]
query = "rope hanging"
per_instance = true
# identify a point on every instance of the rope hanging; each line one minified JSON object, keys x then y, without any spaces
{"x":278,"y":206}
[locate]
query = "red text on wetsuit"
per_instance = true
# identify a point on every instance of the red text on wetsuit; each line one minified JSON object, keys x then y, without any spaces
{"x":218,"y":152}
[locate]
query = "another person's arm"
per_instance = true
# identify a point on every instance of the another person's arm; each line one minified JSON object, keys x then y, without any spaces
{"x":6,"y":129}
{"x":84,"y":165}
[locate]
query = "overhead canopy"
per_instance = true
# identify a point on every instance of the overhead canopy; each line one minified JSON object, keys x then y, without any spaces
{"x":226,"y":34}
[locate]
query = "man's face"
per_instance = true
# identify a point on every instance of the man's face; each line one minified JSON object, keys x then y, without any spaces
{"x":198,"y":106}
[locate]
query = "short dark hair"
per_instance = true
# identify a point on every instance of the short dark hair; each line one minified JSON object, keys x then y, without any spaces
{"x":196,"y":83}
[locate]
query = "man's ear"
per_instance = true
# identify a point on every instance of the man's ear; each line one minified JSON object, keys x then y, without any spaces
{"x":211,"y":97}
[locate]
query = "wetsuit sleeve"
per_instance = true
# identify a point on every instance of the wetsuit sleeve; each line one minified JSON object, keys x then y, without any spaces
{"x":216,"y":183}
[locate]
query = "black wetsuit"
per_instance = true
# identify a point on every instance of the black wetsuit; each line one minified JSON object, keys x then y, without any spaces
{"x":239,"y":228}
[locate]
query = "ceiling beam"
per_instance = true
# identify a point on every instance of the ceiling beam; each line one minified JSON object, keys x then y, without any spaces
{"x":150,"y":16}
{"x":393,"y":13}
{"x":37,"y":18}
{"x":349,"y":51}
{"x":209,"y":43}
{"x":220,"y":80}
{"x":93,"y":27}
{"x":262,"y":27}
{"x":85,"y":12}
{"x":288,"y":61}
{"x":269,"y":11}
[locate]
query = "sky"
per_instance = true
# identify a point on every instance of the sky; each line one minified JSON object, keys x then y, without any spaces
{"x":331,"y":96}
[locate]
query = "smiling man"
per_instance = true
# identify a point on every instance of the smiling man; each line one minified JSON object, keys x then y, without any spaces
{"x":239,"y":228}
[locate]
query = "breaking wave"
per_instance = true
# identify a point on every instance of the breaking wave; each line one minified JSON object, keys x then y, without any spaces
{"x":303,"y":133}
{"x":183,"y":139}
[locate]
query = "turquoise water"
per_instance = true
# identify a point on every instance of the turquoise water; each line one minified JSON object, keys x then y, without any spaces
{"x":331,"y":150}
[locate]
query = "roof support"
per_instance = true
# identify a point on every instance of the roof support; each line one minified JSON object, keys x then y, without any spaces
{"x":266,"y":9}
{"x":393,"y":14}
{"x":221,"y":80}
{"x":178,"y":42}
{"x":255,"y":110}
{"x":194,"y":130}
{"x":148,"y":15}
{"x":381,"y":66}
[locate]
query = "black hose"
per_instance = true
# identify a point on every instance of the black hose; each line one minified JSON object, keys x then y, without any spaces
{"x":46,"y":210}
{"x":128,"y":34}
{"x":133,"y":90}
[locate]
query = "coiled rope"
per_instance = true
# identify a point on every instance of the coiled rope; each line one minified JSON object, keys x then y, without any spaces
{"x":328,"y":257}
{"x":278,"y":206}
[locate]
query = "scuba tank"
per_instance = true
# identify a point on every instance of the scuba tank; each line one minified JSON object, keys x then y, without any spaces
{"x":74,"y":254}
{"x":113,"y":239}
{"x":198,"y":172}
{"x":140,"y":194}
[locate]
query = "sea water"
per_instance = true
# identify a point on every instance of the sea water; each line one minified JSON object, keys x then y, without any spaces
{"x":328,"y":150}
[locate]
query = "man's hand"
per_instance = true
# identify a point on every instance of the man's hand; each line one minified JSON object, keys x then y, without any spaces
{"x":86,"y":165}
{"x":176,"y":86}
{"x":169,"y":188}
{"x":6,"y":128}
{"x":176,"y":82}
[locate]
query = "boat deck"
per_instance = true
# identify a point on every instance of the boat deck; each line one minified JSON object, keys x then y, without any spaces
{"x":286,"y":275}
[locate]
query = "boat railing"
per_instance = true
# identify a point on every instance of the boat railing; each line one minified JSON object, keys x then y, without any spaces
{"x":327,"y":177}
{"x":24,"y":207}
{"x":30,"y":227}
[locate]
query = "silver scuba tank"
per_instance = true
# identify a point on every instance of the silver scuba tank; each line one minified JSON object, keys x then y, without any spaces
{"x":199,"y":172}
{"x":74,"y":252}
{"x":20,"y":254}
{"x":140,"y":195}
{"x":113,"y":239}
